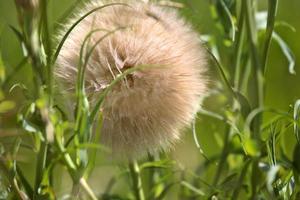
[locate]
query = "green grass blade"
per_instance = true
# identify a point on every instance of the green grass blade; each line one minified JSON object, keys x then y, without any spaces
{"x":269,"y":30}
{"x":287,"y":52}
{"x":296,"y":118}
{"x":230,"y":17}
{"x":101,"y":97}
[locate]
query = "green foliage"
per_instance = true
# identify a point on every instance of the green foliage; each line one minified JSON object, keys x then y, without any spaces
{"x":255,"y":160}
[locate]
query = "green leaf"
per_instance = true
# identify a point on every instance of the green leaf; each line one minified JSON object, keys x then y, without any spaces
{"x":286,"y":51}
{"x":219,"y":117}
{"x":222,"y":73}
{"x":272,"y":11}
{"x":6,"y":106}
{"x":24,"y":181}
{"x":101,"y":97}
{"x":271,"y":146}
{"x":296,"y":118}
{"x":271,"y":176}
{"x":251,"y":147}
{"x":165,"y":191}
{"x":157,"y":164}
{"x":191,"y":187}
{"x":286,"y":25}
{"x":230,"y":18}
{"x":18,"y":85}
{"x":17,"y":33}
{"x":195,"y":136}
{"x":16,"y":146}
{"x":244,"y":103}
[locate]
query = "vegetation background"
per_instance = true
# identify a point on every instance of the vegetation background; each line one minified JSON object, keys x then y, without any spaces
{"x":266,"y":167}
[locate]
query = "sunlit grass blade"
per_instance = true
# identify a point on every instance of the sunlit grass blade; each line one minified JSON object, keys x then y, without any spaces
{"x":287,"y":52}
{"x":196,"y":191}
{"x":230,"y":17}
{"x":195,"y":136}
{"x":103,"y":94}
{"x":271,"y":145}
{"x":223,"y":74}
{"x":296,"y":118}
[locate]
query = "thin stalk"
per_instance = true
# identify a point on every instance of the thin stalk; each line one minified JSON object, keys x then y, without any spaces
{"x":259,"y":89}
{"x":223,"y":75}
{"x":75,"y":191}
{"x":44,"y":30}
{"x":152,"y":174}
{"x":136,"y":180}
{"x":66,"y":14}
{"x":237,"y":54}
{"x":87,"y":189}
{"x":153,"y":177}
{"x":236,"y":192}
{"x":40,"y":166}
{"x":225,"y":152}
{"x":272,"y":4}
{"x":258,"y":77}
{"x":12,"y":180}
{"x":14,"y":71}
{"x":239,"y":49}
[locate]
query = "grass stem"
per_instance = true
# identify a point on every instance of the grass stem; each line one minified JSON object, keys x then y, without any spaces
{"x":136,"y":180}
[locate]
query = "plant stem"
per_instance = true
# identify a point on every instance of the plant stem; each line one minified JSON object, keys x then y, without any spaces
{"x":44,"y":30}
{"x":236,"y":192}
{"x":12,"y":179}
{"x":136,"y":180}
{"x":14,"y":71}
{"x":272,"y":4}
{"x":87,"y":188}
{"x":224,"y":155}
{"x":239,"y":48}
{"x":40,"y":166}
{"x":259,"y":89}
{"x":258,"y":77}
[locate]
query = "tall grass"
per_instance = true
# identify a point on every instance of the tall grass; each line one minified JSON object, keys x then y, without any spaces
{"x":252,"y":163}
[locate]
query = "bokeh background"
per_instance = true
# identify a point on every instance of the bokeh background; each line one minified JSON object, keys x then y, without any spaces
{"x":283,"y":89}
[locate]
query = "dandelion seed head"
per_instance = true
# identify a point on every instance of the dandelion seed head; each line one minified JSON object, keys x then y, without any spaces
{"x":149,"y":108}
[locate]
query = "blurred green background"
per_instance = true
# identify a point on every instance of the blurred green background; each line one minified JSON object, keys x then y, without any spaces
{"x":283,"y":89}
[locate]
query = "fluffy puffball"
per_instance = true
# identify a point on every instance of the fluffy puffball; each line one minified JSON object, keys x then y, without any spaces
{"x":148,"y":110}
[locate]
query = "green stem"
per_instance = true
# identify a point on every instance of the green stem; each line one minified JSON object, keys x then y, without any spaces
{"x":272,"y":4}
{"x":14,"y":71}
{"x":258,"y":77}
{"x":236,"y":192}
{"x":136,"y":180}
{"x":87,"y":189}
{"x":239,"y":49}
{"x":238,"y":52}
{"x":44,"y":29}
{"x":12,"y":179}
{"x":223,"y":158}
{"x":40,"y":166}
{"x":259,"y":88}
